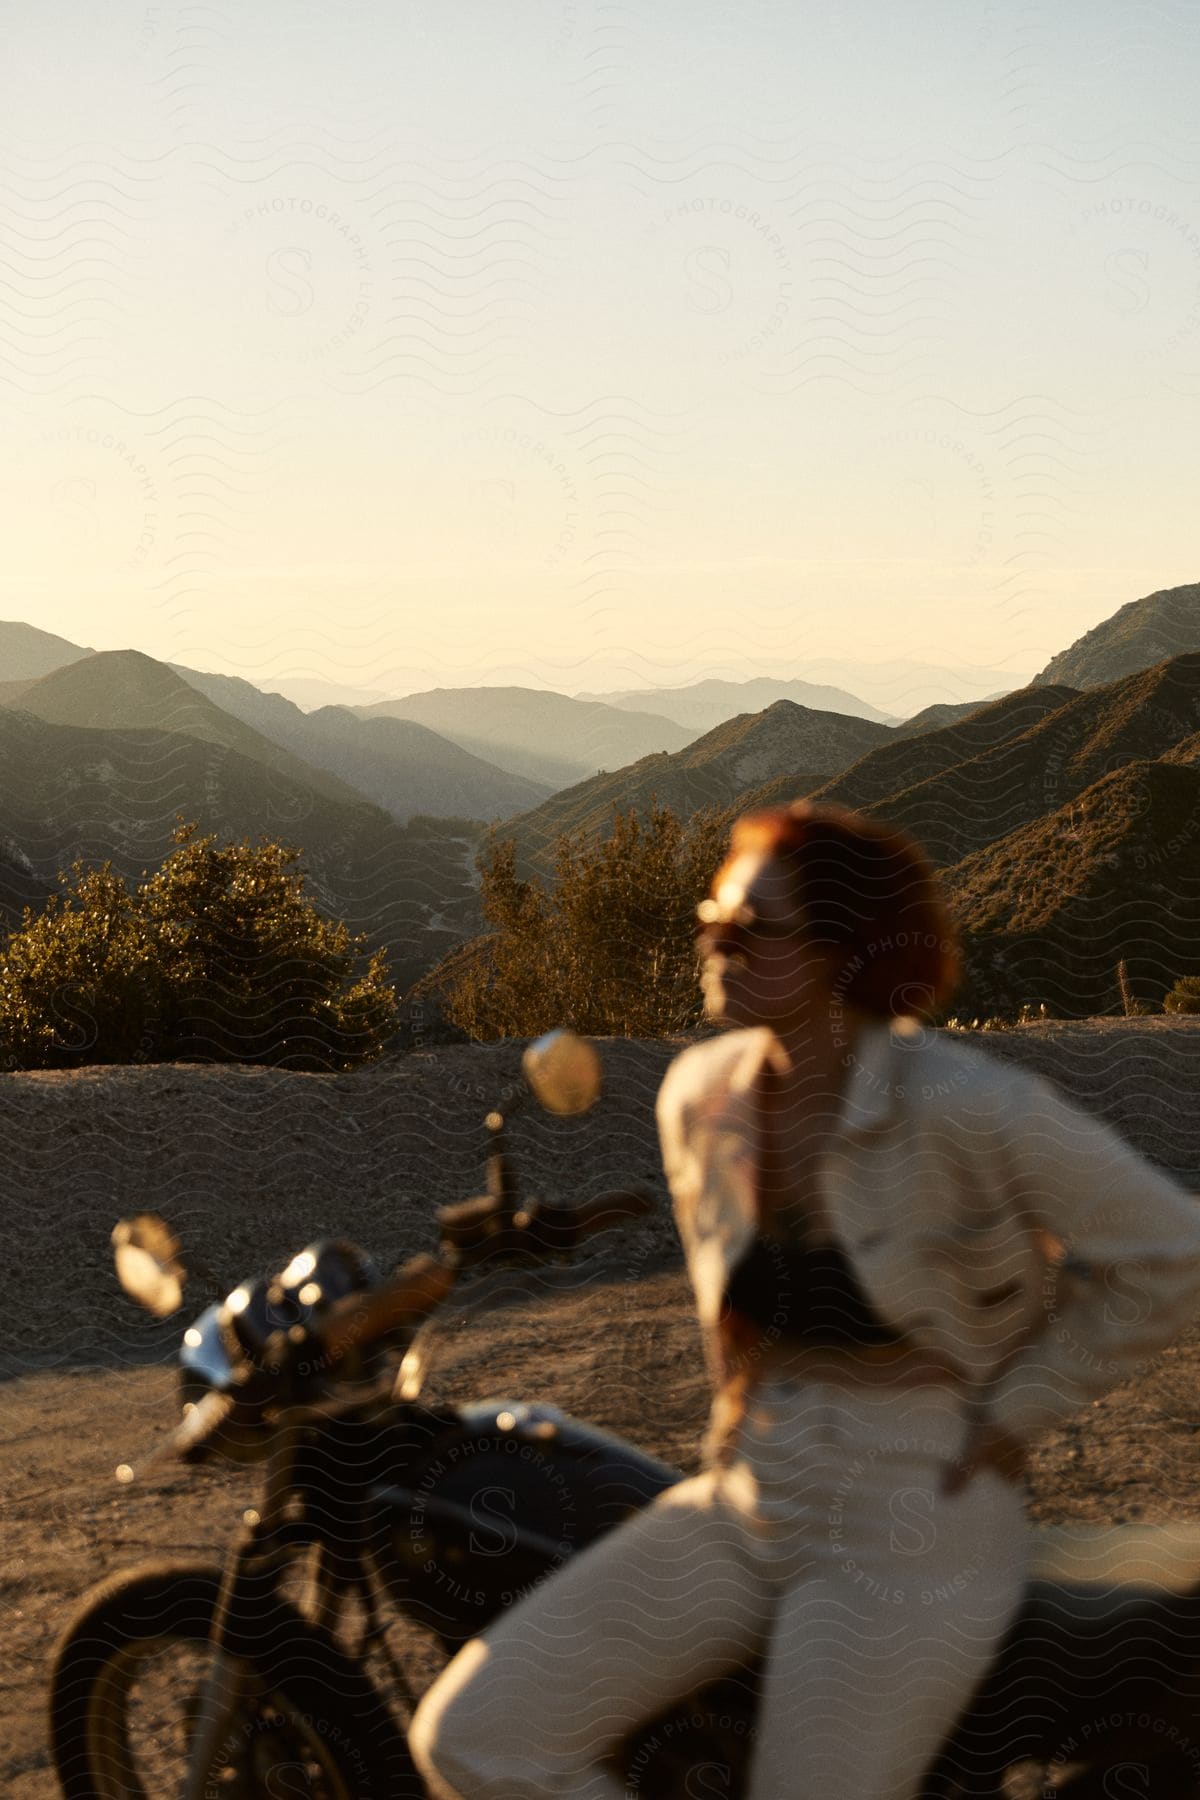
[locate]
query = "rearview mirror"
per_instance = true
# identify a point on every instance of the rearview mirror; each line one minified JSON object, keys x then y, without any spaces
{"x":146,"y":1253}
{"x":563,"y":1070}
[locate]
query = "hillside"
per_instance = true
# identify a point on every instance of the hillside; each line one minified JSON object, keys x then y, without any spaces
{"x":1187,"y":750}
{"x":787,"y":741}
{"x":1140,"y":633}
{"x":971,"y":804}
{"x":904,"y":761}
{"x":544,"y":737}
{"x":401,"y":766}
{"x":706,"y":704}
{"x":408,"y":769}
{"x":71,"y":792}
{"x":1051,"y":908}
{"x":932,"y":718}
{"x":124,"y":691}
{"x":249,"y":1163}
{"x":26,"y":653}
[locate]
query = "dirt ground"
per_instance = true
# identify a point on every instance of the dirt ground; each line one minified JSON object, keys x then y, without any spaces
{"x":248,"y":1165}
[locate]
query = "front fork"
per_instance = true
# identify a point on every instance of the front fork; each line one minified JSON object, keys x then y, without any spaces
{"x":253,"y":1569}
{"x":265,"y":1546}
{"x":230,"y":1676}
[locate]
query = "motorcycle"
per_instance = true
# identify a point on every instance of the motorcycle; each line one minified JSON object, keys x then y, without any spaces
{"x":187,"y":1680}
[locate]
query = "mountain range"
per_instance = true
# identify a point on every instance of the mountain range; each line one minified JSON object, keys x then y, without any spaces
{"x":707,"y":704}
{"x":123,"y":690}
{"x":544,"y":737}
{"x":1054,"y":811}
{"x":116,"y":795}
{"x":883,"y":691}
{"x":1065,"y":841}
{"x":402,"y":766}
{"x":731,"y":760}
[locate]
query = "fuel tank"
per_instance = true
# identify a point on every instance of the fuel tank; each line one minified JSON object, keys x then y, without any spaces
{"x":494,"y":1497}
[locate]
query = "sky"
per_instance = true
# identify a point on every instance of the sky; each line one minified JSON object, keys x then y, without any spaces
{"x":597,"y":347}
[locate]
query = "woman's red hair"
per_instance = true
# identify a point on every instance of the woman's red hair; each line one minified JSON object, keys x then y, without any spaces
{"x":870,"y":899}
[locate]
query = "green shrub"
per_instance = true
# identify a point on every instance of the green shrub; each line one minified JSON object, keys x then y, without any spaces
{"x":1184,"y":997}
{"x":220,"y":956}
{"x":81,"y":981}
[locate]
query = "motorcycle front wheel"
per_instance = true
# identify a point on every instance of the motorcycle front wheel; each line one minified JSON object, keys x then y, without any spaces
{"x":125,"y":1687}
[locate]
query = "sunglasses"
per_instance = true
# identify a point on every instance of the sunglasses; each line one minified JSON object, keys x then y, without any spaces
{"x":741,"y":928}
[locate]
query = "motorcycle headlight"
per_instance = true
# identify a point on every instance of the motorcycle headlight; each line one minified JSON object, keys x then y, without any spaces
{"x":245,"y":1336}
{"x":205,"y":1368}
{"x":259,"y":1317}
{"x":204,"y":1360}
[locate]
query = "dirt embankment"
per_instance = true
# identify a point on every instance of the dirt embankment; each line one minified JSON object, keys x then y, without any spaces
{"x":250,"y":1165}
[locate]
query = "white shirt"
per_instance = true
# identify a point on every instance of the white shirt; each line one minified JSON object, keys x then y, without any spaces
{"x":987,"y":1217}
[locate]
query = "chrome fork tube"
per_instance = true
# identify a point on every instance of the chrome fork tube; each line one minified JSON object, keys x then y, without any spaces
{"x":249,"y":1577}
{"x":219,"y":1701}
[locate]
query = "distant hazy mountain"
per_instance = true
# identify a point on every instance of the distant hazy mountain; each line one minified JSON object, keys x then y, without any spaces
{"x":905,"y":685}
{"x":309,"y":693}
{"x":122,"y":690}
{"x":1050,"y":908}
{"x":409,"y":769}
{"x":706,"y":704}
{"x":1138,"y":635}
{"x":543,"y":736}
{"x":273,"y":714}
{"x":793,"y":742}
{"x":401,"y":766}
{"x":886,"y":692}
{"x":26,"y":652}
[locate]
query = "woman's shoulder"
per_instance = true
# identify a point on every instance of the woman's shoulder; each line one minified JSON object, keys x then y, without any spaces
{"x":937,"y":1068}
{"x":722,"y":1062}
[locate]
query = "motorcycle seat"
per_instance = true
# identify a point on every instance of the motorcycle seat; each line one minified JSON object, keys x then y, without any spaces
{"x":1081,"y":1663}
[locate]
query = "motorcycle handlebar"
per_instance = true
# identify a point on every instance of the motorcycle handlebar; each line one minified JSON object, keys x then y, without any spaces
{"x":410,"y":1296}
{"x":487,"y":1230}
{"x":473,"y":1232}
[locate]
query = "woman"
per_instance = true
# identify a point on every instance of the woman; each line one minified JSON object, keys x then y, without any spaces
{"x":909,"y":1259}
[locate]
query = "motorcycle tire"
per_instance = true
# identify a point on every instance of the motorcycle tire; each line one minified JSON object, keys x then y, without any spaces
{"x":316,"y":1726}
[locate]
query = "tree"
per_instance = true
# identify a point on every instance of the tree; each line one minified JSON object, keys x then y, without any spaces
{"x":609,"y":949}
{"x":219,"y":956}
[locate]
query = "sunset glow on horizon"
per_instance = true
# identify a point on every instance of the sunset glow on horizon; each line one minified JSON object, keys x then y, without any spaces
{"x":549,"y":345}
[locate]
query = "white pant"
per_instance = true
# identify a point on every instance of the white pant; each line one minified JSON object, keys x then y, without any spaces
{"x":824,"y":1541}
